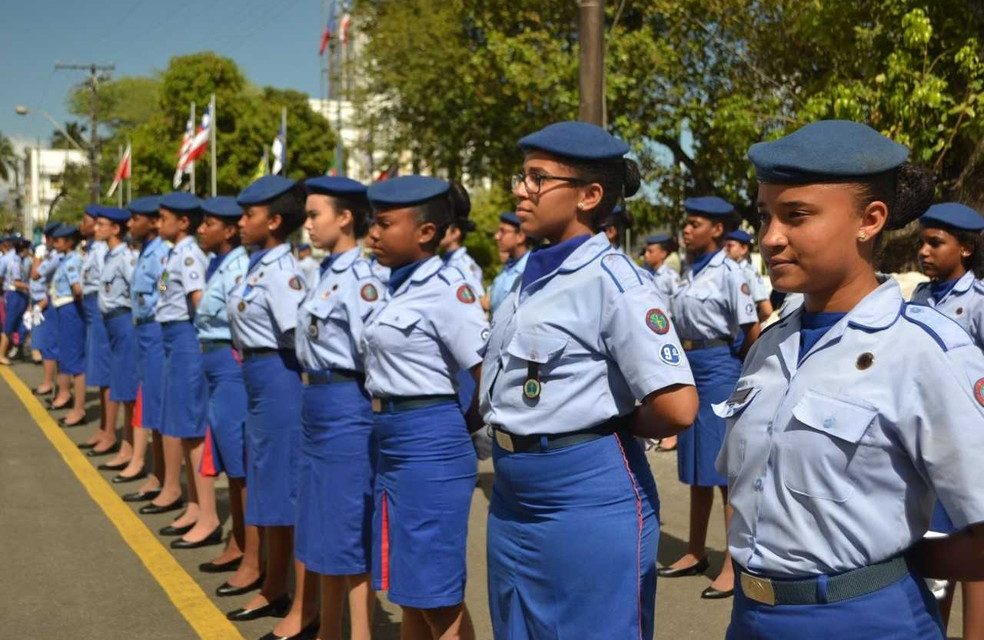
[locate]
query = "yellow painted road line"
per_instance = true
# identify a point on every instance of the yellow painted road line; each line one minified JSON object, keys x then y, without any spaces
{"x":189,"y":599}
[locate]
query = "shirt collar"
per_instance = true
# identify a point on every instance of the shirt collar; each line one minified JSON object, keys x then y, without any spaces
{"x":275,"y":253}
{"x":964,"y":284}
{"x":426,"y":270}
{"x":344,"y":260}
{"x":183,"y":242}
{"x":120,"y":247}
{"x":228,"y":258}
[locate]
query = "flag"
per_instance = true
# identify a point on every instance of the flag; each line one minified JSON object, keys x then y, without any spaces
{"x":344,"y":27}
{"x":181,"y":169}
{"x":200,"y":142}
{"x":279,"y":150}
{"x":262,"y":168}
{"x":332,"y":169}
{"x":122,"y":172}
{"x":387,"y":174}
{"x":329,"y":29}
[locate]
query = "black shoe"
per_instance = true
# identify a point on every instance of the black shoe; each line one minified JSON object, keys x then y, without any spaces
{"x":141,"y":496}
{"x":710,"y":593}
{"x":276,"y":609}
{"x":119,"y":466}
{"x":692,"y":570}
{"x":226,"y":589}
{"x":213,"y":567}
{"x":307,"y":633}
{"x":93,"y":453}
{"x":171,"y":530}
{"x":86,"y":445}
{"x":213,"y":538}
{"x":42,"y":394}
{"x":120,"y":478}
{"x":153,"y":508}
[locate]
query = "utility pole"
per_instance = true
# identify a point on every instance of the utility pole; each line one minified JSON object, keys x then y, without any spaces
{"x":591,"y":37}
{"x":94,"y":187}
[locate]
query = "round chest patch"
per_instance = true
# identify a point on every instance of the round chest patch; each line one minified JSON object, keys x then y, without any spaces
{"x":241,"y":306}
{"x":745,"y":289}
{"x":238,"y":279}
{"x":669,"y":354}
{"x":657,"y":321}
{"x":368,"y":293}
{"x":465,"y":294}
{"x":485,"y":334}
{"x":979,"y":392}
{"x":295,"y":283}
{"x":532,"y":388}
{"x":865,"y":360}
{"x":189,"y":261}
{"x":312,"y":330}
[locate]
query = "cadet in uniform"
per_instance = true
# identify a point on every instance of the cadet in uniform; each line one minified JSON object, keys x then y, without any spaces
{"x":737,"y":245}
{"x":658,"y":248}
{"x":263,"y":316}
{"x":334,"y":522}
{"x":67,"y":301}
{"x":45,"y":335}
{"x":516,"y":246}
{"x":15,"y":297}
{"x":580,"y":338}
{"x":614,"y":224}
{"x":96,"y":338}
{"x":838,"y":442}
{"x":429,"y":329}
{"x":712,"y":305}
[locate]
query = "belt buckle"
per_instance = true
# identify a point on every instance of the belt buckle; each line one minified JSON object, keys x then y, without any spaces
{"x":504,"y":440}
{"x":687,"y":345}
{"x":758,"y":589}
{"x":377,"y":405}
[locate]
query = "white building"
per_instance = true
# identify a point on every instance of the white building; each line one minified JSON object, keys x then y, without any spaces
{"x":43,"y":182}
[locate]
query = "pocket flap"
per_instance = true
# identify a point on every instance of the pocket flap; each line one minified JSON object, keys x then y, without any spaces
{"x":322,"y":309}
{"x":841,"y":417}
{"x":740,"y":399}
{"x":536,"y":347}
{"x":402,"y":319}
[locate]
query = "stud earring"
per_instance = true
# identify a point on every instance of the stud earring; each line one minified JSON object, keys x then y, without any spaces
{"x":580,"y":206}
{"x":863,"y":237}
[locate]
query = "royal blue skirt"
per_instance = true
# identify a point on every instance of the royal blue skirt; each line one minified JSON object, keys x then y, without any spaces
{"x":123,"y":359}
{"x":334,"y":497}
{"x":425,"y":477}
{"x":905,"y":610}
{"x":150,"y":374}
{"x":98,"y":368}
{"x":225,"y":414}
{"x":15,"y":303}
{"x":273,"y":438}
{"x":44,"y":336}
{"x":71,"y":339}
{"x":716,"y":372}
{"x":572,"y":540}
{"x":184,"y":382}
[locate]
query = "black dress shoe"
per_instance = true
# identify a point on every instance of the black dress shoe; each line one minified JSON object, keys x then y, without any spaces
{"x":226,"y":589}
{"x":710,"y":593}
{"x":213,"y":538}
{"x":120,"y":478}
{"x":220,"y":567}
{"x":276,"y":609}
{"x":171,"y":530}
{"x":307,"y":633}
{"x":40,"y":393}
{"x":119,"y":466}
{"x":94,"y":453}
{"x":693,"y":570}
{"x":86,"y":445}
{"x":141,"y":496}
{"x":153,"y":508}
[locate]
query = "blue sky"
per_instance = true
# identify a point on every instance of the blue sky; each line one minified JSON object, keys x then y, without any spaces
{"x":274,"y":42}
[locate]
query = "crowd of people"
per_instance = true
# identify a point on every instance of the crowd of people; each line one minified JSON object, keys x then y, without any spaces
{"x":347,"y":401}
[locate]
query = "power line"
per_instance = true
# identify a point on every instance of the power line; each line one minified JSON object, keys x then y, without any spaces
{"x":94,"y":69}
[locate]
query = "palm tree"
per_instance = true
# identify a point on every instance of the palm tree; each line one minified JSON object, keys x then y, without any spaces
{"x":8,"y":158}
{"x":73,"y":129}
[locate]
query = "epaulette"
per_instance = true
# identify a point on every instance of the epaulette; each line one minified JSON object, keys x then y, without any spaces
{"x":621,"y":270}
{"x":451,"y":275}
{"x":361,"y":269}
{"x":979,"y":286}
{"x":943,"y":330}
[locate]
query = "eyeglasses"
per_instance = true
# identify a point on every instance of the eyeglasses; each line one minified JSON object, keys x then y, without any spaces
{"x":533,"y":182}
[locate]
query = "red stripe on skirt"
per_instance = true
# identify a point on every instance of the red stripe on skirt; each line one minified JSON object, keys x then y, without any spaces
{"x":635,"y":489}
{"x":384,"y":547}
{"x":207,"y":467}
{"x":137,"y":422}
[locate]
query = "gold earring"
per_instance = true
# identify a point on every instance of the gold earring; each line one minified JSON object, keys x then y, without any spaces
{"x":580,"y":206}
{"x":863,"y":237}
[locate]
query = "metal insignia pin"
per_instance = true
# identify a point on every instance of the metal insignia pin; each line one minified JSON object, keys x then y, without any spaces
{"x":532,"y":387}
{"x":865,"y":360}
{"x":959,"y":310}
{"x":313,"y":330}
{"x":242,"y":306}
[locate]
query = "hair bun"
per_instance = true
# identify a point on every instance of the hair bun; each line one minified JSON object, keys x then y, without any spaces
{"x":633,"y":178}
{"x":460,"y":203}
{"x":914,"y":193}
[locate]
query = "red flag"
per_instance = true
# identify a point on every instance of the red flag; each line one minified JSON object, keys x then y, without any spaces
{"x":346,"y":24}
{"x":122,"y":172}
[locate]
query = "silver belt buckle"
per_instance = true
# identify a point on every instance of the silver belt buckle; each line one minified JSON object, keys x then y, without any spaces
{"x":504,"y":440}
{"x":758,"y":589}
{"x":377,"y":405}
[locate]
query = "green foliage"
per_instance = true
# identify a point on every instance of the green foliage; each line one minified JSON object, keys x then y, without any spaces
{"x":8,"y":158}
{"x":73,"y":195}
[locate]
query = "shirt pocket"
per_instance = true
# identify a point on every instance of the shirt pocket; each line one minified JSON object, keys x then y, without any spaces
{"x":539,"y":348}
{"x":821,"y":443}
{"x":735,"y":441}
{"x":396,"y":330}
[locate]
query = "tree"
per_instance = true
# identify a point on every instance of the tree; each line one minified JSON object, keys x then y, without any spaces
{"x":76,"y":131}
{"x":8,"y":158}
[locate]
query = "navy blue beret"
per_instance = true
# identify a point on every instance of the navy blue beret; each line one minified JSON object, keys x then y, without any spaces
{"x":93,"y":210}
{"x":953,"y":214}
{"x":711,"y":206}
{"x":51,"y":226}
{"x":510,"y":217}
{"x":826,"y":151}
{"x":579,"y":140}
{"x":657,"y":238}
{"x":264,"y":189}
{"x":114,"y":214}
{"x":740,"y":236}
{"x":65,"y":231}
{"x":404,"y":191}
{"x":334,"y":186}
{"x":181,"y":202}
{"x":146,"y":206}
{"x":222,"y":207}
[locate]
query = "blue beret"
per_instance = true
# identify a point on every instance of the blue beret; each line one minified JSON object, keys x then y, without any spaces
{"x":93,"y":210}
{"x":826,"y":151}
{"x":711,"y":206}
{"x":264,"y":189}
{"x":303,"y":246}
{"x":579,"y":140}
{"x":740,"y":236}
{"x":51,"y":226}
{"x":334,"y":186}
{"x":114,"y":214}
{"x":181,"y":202}
{"x":146,"y":206}
{"x":953,"y":214}
{"x":658,"y":238}
{"x":222,"y":207}
{"x":65,"y":231}
{"x":404,"y":191}
{"x":510,"y":217}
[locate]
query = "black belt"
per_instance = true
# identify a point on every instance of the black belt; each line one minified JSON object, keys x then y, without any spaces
{"x":115,"y":313}
{"x":140,"y":321}
{"x":692,"y":345}
{"x":214,"y":345}
{"x":259,"y":353}
{"x":543,"y":442}
{"x":334,"y":375}
{"x":171,"y":323}
{"x":850,"y":584}
{"x":405,"y":403}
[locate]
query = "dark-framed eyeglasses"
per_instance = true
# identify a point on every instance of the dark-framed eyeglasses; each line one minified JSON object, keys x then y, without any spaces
{"x":533,"y":182}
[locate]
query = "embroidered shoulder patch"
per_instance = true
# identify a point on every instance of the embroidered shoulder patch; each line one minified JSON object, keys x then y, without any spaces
{"x":369,"y":293}
{"x":295,"y":283}
{"x":745,"y":289}
{"x":669,"y":354}
{"x":657,"y":321}
{"x":465,"y":294}
{"x":979,"y":392}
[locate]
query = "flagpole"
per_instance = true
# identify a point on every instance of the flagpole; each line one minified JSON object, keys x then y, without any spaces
{"x":339,"y":90}
{"x":211,"y":135}
{"x":191,"y":165}
{"x":129,"y":181}
{"x":119,"y":162}
{"x":283,"y":127}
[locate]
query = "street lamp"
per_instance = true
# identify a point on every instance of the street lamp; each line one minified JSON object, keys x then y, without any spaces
{"x":23,"y":111}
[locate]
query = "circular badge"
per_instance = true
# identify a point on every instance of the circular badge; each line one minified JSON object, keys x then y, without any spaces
{"x":295,"y":283}
{"x":465,"y":294}
{"x":189,"y":261}
{"x":368,"y":293}
{"x":242,"y":306}
{"x":531,"y":389}
{"x":162,"y":287}
{"x":485,"y":334}
{"x":312,"y":330}
{"x":238,"y":279}
{"x":669,"y":354}
{"x":745,"y":289}
{"x":959,"y":311}
{"x":657,"y":321}
{"x":979,"y":392}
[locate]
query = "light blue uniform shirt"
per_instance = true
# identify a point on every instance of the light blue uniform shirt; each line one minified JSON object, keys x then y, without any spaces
{"x":383,"y":273}
{"x":68,"y":273}
{"x":46,"y":272}
{"x":332,"y":318}
{"x":460,"y":259}
{"x":791,"y":303}
{"x":503,"y":283}
{"x":835,"y":462}
{"x":12,"y":270}
{"x":598,"y":334}
{"x":145,"y":291}
{"x":116,"y":277}
{"x":92,"y":264}
{"x":666,"y":280}
{"x":715,"y":303}
{"x":212,"y":316}
{"x":263,"y":307}
{"x":311,"y":270}
{"x":755,"y":281}
{"x":184,"y":273}
{"x":964,"y":303}
{"x":427,"y":331}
